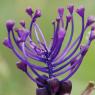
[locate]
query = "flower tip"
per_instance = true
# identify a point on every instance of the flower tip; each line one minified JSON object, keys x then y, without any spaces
{"x":83,"y":49}
{"x":10,"y":24}
{"x":70,"y":8}
{"x":29,"y":11}
{"x":69,"y":17}
{"x":22,"y":66}
{"x":90,"y":21}
{"x":22,"y":23}
{"x":61,"y":11}
{"x":92,"y":34}
{"x":7,"y":43}
{"x":37,"y":13}
{"x":80,"y":11}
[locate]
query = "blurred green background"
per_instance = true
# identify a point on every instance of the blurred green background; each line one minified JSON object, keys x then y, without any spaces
{"x":14,"y":81}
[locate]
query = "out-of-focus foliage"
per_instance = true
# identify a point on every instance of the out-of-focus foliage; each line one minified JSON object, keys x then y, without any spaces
{"x":15,"y":82}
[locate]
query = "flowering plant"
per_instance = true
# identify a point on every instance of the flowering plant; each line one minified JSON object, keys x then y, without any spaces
{"x":21,"y":43}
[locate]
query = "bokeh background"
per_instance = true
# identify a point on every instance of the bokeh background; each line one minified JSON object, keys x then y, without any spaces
{"x":14,"y":81}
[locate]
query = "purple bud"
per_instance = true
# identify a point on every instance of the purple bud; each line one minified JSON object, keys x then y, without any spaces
{"x":22,"y":66}
{"x":22,"y":23}
{"x":61,"y":33}
{"x":90,"y":21}
{"x":7,"y":43}
{"x":54,"y":85}
{"x":10,"y":24}
{"x":80,"y":11}
{"x":69,"y":17}
{"x":37,"y":13}
{"x":29,"y":11}
{"x":92,"y":34}
{"x":61,"y":11}
{"x":83,"y":49}
{"x":66,"y":87}
{"x":71,"y":8}
{"x":42,"y":91}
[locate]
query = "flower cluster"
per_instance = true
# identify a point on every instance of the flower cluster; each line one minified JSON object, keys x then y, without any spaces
{"x":20,"y":42}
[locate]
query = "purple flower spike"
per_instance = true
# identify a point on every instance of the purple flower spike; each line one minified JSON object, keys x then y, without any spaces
{"x":29,"y":11}
{"x":22,"y":66}
{"x":90,"y":20}
{"x":71,"y":8}
{"x":30,"y":44}
{"x":80,"y":11}
{"x":61,"y":11}
{"x":7,"y":43}
{"x":10,"y":24}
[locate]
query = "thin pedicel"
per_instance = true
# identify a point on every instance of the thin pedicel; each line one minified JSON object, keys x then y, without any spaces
{"x":57,"y":63}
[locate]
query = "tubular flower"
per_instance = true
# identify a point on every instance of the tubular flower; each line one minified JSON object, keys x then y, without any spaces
{"x":21,"y":42}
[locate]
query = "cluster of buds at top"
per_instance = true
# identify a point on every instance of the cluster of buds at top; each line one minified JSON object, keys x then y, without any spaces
{"x":20,"y":42}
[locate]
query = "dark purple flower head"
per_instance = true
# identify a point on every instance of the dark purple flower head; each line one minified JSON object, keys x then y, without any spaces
{"x":92,"y":33}
{"x":22,"y":23}
{"x":90,"y":21}
{"x":56,"y":63}
{"x":29,"y":11}
{"x":61,"y":11}
{"x":71,"y":8}
{"x":9,"y":25}
{"x":80,"y":11}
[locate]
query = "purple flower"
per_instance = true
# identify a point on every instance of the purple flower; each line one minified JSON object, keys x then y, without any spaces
{"x":56,"y":63}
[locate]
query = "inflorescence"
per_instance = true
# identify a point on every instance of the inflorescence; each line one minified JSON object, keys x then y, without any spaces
{"x":57,"y":63}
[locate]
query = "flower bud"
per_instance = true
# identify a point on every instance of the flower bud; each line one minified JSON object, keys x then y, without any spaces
{"x":7,"y":43}
{"x":61,"y":11}
{"x":83,"y":49}
{"x":37,"y":13}
{"x":10,"y":24}
{"x":29,"y":11}
{"x":22,"y":23}
{"x":22,"y":66}
{"x":71,"y":8}
{"x":90,"y":21}
{"x":80,"y":11}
